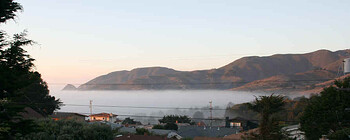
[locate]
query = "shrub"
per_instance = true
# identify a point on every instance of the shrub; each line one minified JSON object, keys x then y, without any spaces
{"x":142,"y":131}
{"x":70,"y":129}
{"x":170,"y":126}
{"x":158,"y":127}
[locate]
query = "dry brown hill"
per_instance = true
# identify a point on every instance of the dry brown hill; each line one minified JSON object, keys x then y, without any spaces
{"x":315,"y":65}
{"x":289,"y":83}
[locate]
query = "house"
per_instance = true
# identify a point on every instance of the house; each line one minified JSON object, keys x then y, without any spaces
{"x":174,"y":135}
{"x":240,"y":123}
{"x":103,"y":117}
{"x":68,"y":116}
{"x":294,"y":132}
{"x":29,"y":113}
{"x":161,"y":132}
{"x":201,"y":123}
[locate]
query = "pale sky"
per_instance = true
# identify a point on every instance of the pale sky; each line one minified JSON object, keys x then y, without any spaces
{"x":82,"y":39}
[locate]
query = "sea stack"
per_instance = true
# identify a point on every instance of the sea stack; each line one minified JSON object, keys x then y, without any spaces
{"x":69,"y":87}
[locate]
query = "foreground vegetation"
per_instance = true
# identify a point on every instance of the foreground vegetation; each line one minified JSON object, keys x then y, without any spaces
{"x":69,"y":130}
{"x":20,"y":85}
{"x":326,"y":113}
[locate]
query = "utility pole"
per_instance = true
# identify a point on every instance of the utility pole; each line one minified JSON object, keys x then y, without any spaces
{"x":211,"y":113}
{"x":90,"y":107}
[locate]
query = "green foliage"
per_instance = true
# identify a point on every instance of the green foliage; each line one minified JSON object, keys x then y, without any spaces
{"x":325,"y":113}
{"x":290,"y":114}
{"x":70,"y":129}
{"x":171,"y":121}
{"x":8,"y":10}
{"x":142,"y":131}
{"x":267,"y":106}
{"x":130,"y":121}
{"x":171,"y":126}
{"x":158,"y":127}
{"x":174,"y":118}
{"x":342,"y":134}
{"x":168,"y":126}
{"x":20,"y":85}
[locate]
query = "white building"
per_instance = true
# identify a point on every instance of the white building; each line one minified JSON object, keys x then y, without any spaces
{"x":294,"y":132}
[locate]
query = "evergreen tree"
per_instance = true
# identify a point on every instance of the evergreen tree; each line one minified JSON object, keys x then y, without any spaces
{"x":327,"y":113}
{"x":175,"y":118}
{"x":20,"y":85}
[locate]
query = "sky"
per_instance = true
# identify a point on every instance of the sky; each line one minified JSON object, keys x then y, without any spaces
{"x":78,"y":40}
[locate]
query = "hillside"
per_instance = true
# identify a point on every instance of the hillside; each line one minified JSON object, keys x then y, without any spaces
{"x":289,"y":83}
{"x":241,"y":74}
{"x":120,"y":79}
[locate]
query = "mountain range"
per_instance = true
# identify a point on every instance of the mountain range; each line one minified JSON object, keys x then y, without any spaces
{"x":280,"y":72}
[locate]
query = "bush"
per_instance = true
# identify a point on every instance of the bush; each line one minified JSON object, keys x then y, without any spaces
{"x":340,"y":134}
{"x":158,"y":127}
{"x":326,"y":112}
{"x":142,"y":131}
{"x":170,"y":126}
{"x":175,"y":118}
{"x":70,"y":129}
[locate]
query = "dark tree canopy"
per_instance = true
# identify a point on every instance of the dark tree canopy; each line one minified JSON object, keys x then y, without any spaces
{"x":8,"y":9}
{"x":19,"y":82}
{"x":20,"y":85}
{"x":171,"y":126}
{"x":327,"y":113}
{"x":175,"y":118}
{"x":267,"y":106}
{"x":130,"y":121}
{"x":70,"y":130}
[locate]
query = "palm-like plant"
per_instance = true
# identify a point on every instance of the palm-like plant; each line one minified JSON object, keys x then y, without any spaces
{"x":266,"y":106}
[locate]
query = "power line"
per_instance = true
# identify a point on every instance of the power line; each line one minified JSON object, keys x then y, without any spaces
{"x":200,"y":83}
{"x":143,"y":116}
{"x":140,"y":107}
{"x":146,"y":107}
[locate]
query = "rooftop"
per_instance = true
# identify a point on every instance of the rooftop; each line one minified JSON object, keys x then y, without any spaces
{"x":195,"y":131}
{"x":65,"y":114}
{"x":103,"y":115}
{"x":29,"y":113}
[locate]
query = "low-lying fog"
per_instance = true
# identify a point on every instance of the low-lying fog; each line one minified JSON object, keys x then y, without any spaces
{"x":161,"y":102}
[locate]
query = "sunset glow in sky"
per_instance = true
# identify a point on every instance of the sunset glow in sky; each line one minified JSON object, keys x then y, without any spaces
{"x":81,"y":39}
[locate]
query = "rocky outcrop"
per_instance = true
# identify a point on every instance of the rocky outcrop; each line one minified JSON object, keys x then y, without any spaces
{"x":69,"y":87}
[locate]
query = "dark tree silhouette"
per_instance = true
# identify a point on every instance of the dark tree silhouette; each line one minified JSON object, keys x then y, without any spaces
{"x":327,"y":113}
{"x":20,"y":85}
{"x":175,"y":118}
{"x":267,"y":106}
{"x":8,"y":9}
{"x":171,"y":126}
